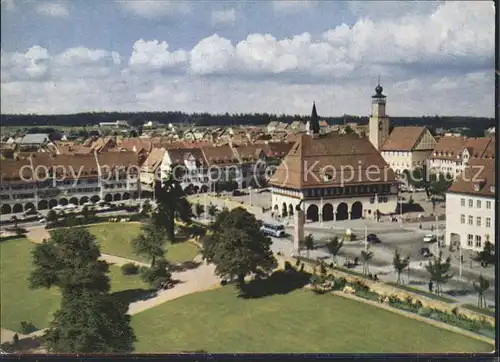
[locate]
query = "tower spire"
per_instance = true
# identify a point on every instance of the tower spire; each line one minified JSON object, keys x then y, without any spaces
{"x":378,"y":80}
{"x":313,"y":126}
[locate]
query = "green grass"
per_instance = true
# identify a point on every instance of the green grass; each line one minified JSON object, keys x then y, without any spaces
{"x":115,"y":238}
{"x":486,"y":311}
{"x":19,"y":303}
{"x":422,"y":292}
{"x":301,"y":321}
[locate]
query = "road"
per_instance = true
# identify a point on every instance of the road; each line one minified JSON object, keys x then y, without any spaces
{"x":407,"y":238}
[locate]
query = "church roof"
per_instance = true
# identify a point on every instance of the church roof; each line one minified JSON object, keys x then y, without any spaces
{"x":331,"y":160}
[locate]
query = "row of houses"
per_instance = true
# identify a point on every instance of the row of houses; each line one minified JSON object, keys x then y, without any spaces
{"x":103,"y":169}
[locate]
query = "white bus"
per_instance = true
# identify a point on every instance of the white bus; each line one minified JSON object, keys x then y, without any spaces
{"x":273,"y":230}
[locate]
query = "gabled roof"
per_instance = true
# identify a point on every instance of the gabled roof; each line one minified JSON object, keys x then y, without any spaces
{"x":220,"y":155}
{"x":478,"y":178}
{"x":350,"y":153}
{"x":180,"y":155}
{"x":448,"y":147}
{"x":154,"y":160}
{"x":403,"y":139}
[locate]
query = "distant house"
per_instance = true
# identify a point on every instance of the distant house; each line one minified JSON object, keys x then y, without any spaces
{"x":271,"y":127}
{"x":115,"y":124}
{"x":151,"y":124}
{"x":490,"y":132}
{"x":33,"y":140}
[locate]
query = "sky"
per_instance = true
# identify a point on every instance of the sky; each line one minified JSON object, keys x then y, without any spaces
{"x":433,"y":58}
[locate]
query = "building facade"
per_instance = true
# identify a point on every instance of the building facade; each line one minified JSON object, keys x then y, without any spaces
{"x":470,"y":206}
{"x":333,"y":177}
{"x":44,"y":181}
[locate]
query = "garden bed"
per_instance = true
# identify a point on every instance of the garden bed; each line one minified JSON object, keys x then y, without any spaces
{"x":422,"y":292}
{"x":486,"y":311}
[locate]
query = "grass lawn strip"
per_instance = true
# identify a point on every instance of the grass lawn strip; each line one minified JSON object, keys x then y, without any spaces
{"x":296,"y":322}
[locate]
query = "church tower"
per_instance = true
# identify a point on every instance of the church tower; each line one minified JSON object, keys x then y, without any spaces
{"x":312,"y":126}
{"x":379,"y":122}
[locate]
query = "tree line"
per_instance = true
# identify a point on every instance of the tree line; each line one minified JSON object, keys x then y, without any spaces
{"x":136,"y":119}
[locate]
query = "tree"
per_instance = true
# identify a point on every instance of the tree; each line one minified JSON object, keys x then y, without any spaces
{"x":16,"y":221}
{"x":439,"y":270}
{"x":86,"y":214}
{"x":366,"y":256}
{"x":237,"y":247}
{"x":89,"y":319}
{"x":439,"y":184}
{"x":51,"y":217}
{"x":487,"y":255}
{"x":151,"y":242}
{"x":212,"y":210}
{"x":399,"y":264}
{"x":481,"y":287}
{"x":333,"y":247}
{"x":198,"y":209}
{"x":309,"y":243}
{"x":158,"y":274}
{"x":90,"y":323}
{"x":348,"y":130}
{"x":146,"y":208}
{"x":172,"y":204}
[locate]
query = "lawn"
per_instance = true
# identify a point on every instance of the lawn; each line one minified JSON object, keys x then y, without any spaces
{"x":300,"y":321}
{"x":18,"y":303}
{"x":114,"y":239}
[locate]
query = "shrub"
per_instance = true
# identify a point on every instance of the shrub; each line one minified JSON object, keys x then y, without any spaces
{"x":322,"y":268}
{"x":130,"y":269}
{"x":301,"y":267}
{"x":142,"y":270}
{"x":297,"y":263}
{"x":424,"y":312}
{"x":288,"y":266}
{"x":27,"y":327}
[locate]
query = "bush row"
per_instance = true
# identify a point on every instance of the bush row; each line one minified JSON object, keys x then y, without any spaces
{"x":70,"y":221}
{"x":325,"y":283}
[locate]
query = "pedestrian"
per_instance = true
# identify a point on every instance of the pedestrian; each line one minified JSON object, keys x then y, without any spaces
{"x":420,"y":226}
{"x":15,"y":339}
{"x":430,"y":286}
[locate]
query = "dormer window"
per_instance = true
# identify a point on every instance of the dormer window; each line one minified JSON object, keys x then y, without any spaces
{"x":476,"y":187}
{"x":492,"y":188}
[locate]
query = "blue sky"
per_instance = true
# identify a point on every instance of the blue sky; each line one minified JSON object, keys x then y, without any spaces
{"x":243,"y":56}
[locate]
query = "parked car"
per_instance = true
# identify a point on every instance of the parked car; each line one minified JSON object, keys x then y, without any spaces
{"x":372,"y":238}
{"x":430,"y":238}
{"x":273,"y":230}
{"x":425,"y":252}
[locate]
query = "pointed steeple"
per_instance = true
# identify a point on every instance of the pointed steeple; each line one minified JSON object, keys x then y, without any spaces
{"x":313,"y":126}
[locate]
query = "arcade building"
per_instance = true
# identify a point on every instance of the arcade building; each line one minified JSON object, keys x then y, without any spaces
{"x":336,"y":176}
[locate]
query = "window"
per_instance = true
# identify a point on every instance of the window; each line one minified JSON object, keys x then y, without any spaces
{"x":470,"y":220}
{"x":462,"y":219}
{"x":469,"y":239}
{"x":478,"y":204}
{"x":478,"y":241}
{"x":488,"y":222}
{"x":462,"y":202}
{"x":488,"y":204}
{"x":478,"y":221}
{"x":471,"y":202}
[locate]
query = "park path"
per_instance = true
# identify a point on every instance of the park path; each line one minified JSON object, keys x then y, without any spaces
{"x":190,"y":281}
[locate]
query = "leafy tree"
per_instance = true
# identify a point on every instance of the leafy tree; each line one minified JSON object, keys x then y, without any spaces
{"x":212,"y":210}
{"x":16,"y":221}
{"x":366,"y":256}
{"x":51,"y":216}
{"x":309,"y":243}
{"x":237,"y":247}
{"x":172,"y":203}
{"x":86,"y":214}
{"x":487,"y":255}
{"x":439,"y":270}
{"x":157,"y":274}
{"x":90,"y":323}
{"x":198,"y":209}
{"x":333,"y":247}
{"x":146,"y":208}
{"x":400,"y":264}
{"x":439,"y":184}
{"x":481,"y":287}
{"x":151,"y":242}
{"x":89,"y":319}
{"x":348,"y":130}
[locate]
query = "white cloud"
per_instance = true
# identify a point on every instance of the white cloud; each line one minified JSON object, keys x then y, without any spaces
{"x":155,"y":8}
{"x":292,"y":6}
{"x":56,"y":10}
{"x":154,"y":55}
{"x":426,"y":60}
{"x":223,"y":17}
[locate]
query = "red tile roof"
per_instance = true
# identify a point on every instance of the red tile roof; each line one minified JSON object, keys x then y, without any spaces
{"x":478,"y":179}
{"x":403,"y":138}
